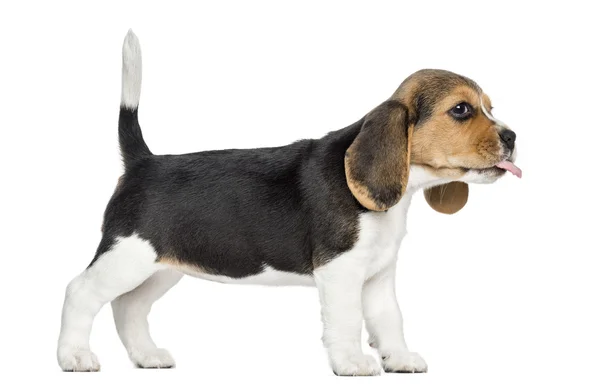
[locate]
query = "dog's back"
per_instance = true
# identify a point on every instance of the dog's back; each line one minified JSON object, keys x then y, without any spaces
{"x":226,"y":212}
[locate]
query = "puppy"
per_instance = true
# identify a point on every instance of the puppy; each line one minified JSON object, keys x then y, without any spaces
{"x":329,"y":212}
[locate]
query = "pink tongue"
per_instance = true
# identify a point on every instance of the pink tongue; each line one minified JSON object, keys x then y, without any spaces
{"x":509,"y":166}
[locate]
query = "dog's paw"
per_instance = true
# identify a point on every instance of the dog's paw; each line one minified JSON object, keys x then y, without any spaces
{"x":354,"y":364}
{"x":404,"y":362}
{"x":77,"y":360}
{"x":155,"y":358}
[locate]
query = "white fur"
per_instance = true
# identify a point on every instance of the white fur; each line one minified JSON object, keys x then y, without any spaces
{"x":475,"y":176}
{"x":129,"y":276}
{"x":489,"y":115}
{"x":384,"y":323}
{"x":340,"y":284}
{"x":360,"y":284}
{"x":131,"y":311}
{"x":131,"y":80}
{"x":125,"y":266}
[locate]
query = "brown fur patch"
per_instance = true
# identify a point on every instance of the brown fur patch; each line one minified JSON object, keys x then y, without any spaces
{"x":181,"y":266}
{"x":443,"y":142}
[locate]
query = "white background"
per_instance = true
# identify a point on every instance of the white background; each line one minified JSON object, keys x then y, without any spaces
{"x":504,"y":292}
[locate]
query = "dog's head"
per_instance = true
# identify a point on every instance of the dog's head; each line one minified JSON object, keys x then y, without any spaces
{"x":440,"y":121}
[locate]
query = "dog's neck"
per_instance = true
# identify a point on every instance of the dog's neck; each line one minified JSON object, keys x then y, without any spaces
{"x":418,"y":179}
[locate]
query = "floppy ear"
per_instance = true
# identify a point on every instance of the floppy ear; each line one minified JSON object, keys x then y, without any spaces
{"x":448,"y":198}
{"x":377,"y":162}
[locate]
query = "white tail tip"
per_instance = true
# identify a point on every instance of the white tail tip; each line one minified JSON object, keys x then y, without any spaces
{"x":131,"y":81}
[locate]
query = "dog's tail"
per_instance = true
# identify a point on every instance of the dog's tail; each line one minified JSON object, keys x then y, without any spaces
{"x":133,"y":146}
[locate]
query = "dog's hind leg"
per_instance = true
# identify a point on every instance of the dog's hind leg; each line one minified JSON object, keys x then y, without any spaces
{"x":131,"y":311}
{"x":126,"y":263}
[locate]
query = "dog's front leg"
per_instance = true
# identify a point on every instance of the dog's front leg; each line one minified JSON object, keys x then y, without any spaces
{"x":340,"y":283}
{"x":384,"y":323}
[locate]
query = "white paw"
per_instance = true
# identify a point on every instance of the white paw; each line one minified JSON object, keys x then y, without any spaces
{"x":77,"y":360}
{"x":354,"y":364}
{"x":155,"y":358}
{"x":404,"y":362}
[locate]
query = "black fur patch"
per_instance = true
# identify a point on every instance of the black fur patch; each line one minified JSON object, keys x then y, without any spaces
{"x":233,"y":211}
{"x":131,"y":141}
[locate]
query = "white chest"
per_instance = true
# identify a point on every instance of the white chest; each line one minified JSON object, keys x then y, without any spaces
{"x":381,"y":234}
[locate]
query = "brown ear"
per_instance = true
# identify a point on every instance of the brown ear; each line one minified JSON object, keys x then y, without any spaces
{"x":448,"y":198}
{"x":377,"y":162}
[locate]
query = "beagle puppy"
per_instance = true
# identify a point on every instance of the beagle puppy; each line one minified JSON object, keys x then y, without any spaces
{"x":328,"y":212}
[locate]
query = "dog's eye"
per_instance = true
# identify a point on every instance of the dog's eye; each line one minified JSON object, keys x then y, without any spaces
{"x":461,"y":111}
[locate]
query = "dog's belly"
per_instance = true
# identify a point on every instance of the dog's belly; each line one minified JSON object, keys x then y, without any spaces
{"x":268,"y":277}
{"x":378,"y":242}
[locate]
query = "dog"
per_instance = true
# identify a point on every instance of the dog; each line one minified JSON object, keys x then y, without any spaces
{"x":328,"y":212}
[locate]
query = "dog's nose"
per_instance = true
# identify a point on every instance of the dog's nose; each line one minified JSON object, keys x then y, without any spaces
{"x":508,"y":137}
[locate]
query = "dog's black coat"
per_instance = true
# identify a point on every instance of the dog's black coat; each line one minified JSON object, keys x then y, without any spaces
{"x":230,"y":212}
